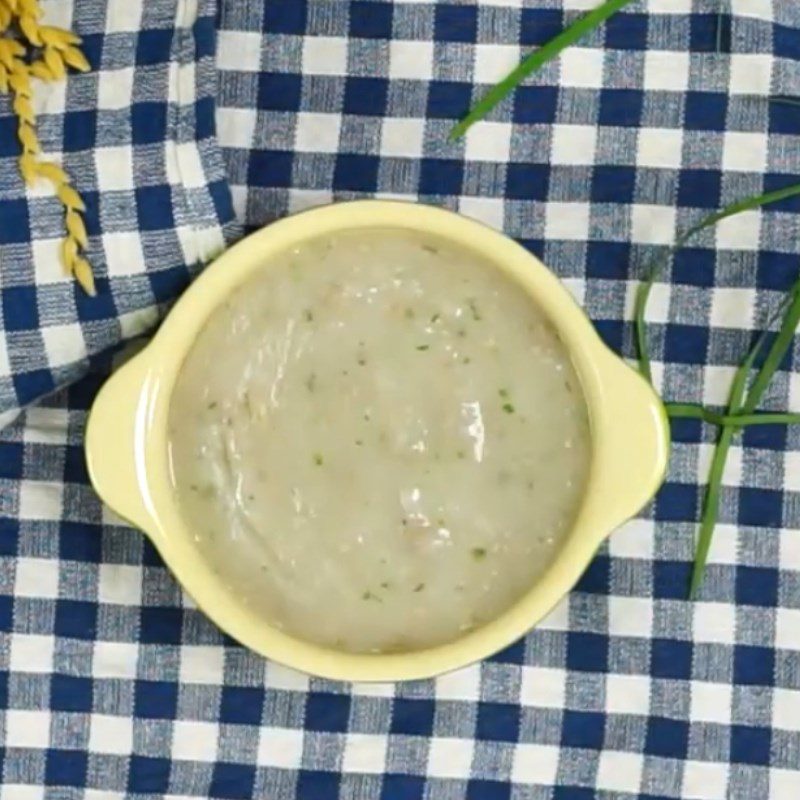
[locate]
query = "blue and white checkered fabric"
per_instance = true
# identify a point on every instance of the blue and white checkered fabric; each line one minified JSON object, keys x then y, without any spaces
{"x":136,"y":133}
{"x":115,"y":686}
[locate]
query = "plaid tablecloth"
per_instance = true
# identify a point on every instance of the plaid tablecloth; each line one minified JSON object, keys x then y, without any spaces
{"x":114,"y":686}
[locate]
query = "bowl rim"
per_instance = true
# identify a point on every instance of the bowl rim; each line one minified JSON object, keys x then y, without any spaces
{"x":126,"y":440}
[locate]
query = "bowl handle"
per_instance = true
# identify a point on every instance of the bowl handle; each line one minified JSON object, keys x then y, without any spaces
{"x":633,"y":440}
{"x":114,"y":446}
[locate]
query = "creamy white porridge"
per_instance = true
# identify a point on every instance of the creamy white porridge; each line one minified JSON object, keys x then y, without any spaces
{"x":378,"y":441}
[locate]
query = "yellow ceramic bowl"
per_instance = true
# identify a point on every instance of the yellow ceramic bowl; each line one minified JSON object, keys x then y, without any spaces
{"x":126,"y":441}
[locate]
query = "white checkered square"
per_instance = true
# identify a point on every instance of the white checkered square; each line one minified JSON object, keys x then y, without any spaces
{"x":365,"y":753}
{"x":31,"y":653}
{"x":488,"y":210}
{"x":280,"y":747}
{"x":120,"y":584}
{"x":285,"y":678}
{"x":627,"y":694}
{"x":36,"y":577}
{"x":46,"y":252}
{"x":744,"y":152}
{"x":125,"y":17}
{"x":711,"y":702}
{"x":535,"y":764}
{"x":543,"y":687}
{"x":733,"y":308}
{"x":193,"y":740}
{"x":114,"y":167}
{"x":653,"y":224}
{"x":630,"y":616}
{"x":111,"y":734}
{"x":782,"y":784}
{"x":786,"y":709}
{"x":324,"y":55}
{"x":114,"y":660}
{"x":123,"y":253}
{"x":63,"y":343}
{"x":239,"y":51}
{"x":450,"y":758}
{"x":573,"y":144}
{"x":236,"y":126}
{"x":620,"y":772}
{"x":741,"y":232}
{"x":402,"y":137}
{"x":40,"y":500}
{"x":666,"y":70}
{"x":703,"y":780}
{"x":412,"y":60}
{"x":317,"y":133}
{"x":713,"y":622}
{"x":115,"y":89}
{"x":18,"y":791}
{"x":202,"y":664}
{"x":790,"y":539}
{"x":751,"y":74}
{"x":489,"y":141}
{"x":462,"y":684}
{"x":27,"y":728}
{"x":558,"y":618}
{"x":494,"y":61}
{"x":567,"y":221}
{"x":669,"y":6}
{"x":633,"y":540}
{"x":659,"y":147}
{"x":582,"y":67}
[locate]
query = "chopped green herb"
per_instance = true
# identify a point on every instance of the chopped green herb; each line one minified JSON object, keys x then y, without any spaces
{"x":693,"y":411}
{"x":212,"y":405}
{"x":429,"y":248}
{"x":461,"y":333}
{"x":435,"y":318}
{"x":741,"y":401}
{"x":645,"y":287}
{"x":359,"y":442}
{"x":385,"y":585}
{"x":361,"y":360}
{"x":473,"y":307}
{"x":308,"y":315}
{"x":503,"y":393}
{"x":461,"y":454}
{"x":311,"y":382}
{"x":547,"y":52}
{"x":508,"y":408}
{"x":479,"y":553}
{"x":419,"y":587}
{"x":409,"y":313}
{"x":318,"y":460}
{"x":370,"y":596}
{"x":423,"y":347}
{"x":466,"y":360}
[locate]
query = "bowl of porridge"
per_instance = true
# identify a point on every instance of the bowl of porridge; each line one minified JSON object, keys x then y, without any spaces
{"x":376,"y":441}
